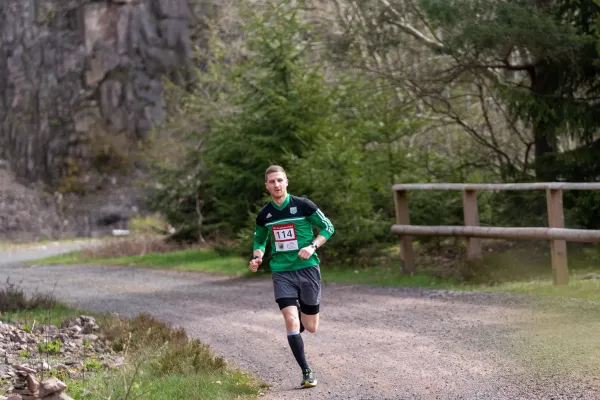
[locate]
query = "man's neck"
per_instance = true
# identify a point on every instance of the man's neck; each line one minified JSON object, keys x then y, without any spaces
{"x":280,"y":200}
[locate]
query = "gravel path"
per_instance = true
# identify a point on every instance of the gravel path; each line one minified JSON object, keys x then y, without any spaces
{"x":19,"y":253}
{"x":374,"y":342}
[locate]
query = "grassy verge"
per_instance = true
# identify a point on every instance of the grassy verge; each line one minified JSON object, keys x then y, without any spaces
{"x":204,"y":260}
{"x":161,"y":363}
{"x":192,"y":259}
{"x":49,"y":316}
{"x":387,"y":276}
{"x":579,"y":289}
{"x":542,"y":284}
{"x":508,"y":271}
{"x":145,"y":383}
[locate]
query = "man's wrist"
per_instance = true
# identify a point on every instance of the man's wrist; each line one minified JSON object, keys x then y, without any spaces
{"x":314,"y":245}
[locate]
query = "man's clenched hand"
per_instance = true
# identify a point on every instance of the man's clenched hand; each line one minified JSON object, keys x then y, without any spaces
{"x":254,"y":263}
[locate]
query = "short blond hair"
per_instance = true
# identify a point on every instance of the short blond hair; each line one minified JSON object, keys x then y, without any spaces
{"x":272,"y":169}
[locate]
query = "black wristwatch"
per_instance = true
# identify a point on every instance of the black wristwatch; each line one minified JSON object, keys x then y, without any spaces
{"x":314,"y":245}
{"x":255,"y":257}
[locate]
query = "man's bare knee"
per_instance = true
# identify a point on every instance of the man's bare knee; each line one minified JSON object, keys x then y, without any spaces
{"x":292,"y":322}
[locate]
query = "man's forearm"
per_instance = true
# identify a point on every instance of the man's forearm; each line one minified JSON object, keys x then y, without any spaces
{"x":319,"y":241}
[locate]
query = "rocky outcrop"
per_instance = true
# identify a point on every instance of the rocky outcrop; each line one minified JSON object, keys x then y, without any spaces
{"x":26,"y":214}
{"x":80,"y":82}
{"x":80,"y":87}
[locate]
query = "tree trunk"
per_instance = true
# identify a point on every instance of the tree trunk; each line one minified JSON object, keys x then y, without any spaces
{"x":544,"y":125}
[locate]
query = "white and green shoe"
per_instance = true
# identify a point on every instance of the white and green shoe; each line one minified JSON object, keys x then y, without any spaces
{"x":308,"y":379}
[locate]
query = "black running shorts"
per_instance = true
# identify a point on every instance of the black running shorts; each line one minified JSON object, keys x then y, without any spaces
{"x":303,"y":284}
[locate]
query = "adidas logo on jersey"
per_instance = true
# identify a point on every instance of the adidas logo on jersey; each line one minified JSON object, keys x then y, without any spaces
{"x":269,"y":215}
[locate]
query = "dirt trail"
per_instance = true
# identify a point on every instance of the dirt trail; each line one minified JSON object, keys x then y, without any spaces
{"x":374,"y":342}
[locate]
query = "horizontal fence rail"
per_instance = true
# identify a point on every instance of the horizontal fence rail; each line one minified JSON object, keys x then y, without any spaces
{"x":556,"y":233}
{"x":570,"y":235}
{"x":497,"y":186}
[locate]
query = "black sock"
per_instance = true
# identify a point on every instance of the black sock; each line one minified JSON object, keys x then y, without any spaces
{"x":300,"y":319}
{"x":297,"y":346}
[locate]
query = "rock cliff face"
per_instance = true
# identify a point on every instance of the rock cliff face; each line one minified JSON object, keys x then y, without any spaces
{"x":80,"y":85}
{"x":78,"y":77}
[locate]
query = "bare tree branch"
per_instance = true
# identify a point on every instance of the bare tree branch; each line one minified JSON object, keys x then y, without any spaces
{"x":509,"y":120}
{"x":411,"y":30}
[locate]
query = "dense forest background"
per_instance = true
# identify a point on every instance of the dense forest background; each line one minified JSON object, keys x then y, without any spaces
{"x":353,"y":96}
{"x":176,"y":107}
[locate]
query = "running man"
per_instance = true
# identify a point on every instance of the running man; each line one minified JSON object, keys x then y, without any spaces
{"x":288,"y":222}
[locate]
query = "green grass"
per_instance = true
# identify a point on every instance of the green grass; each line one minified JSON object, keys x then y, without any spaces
{"x":385,"y":276}
{"x":580,"y":289}
{"x":146,"y":384}
{"x":42,"y":316}
{"x":68,"y":258}
{"x":206,"y":386}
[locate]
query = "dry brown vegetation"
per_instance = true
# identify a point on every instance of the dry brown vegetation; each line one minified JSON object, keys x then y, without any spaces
{"x":12,"y":299}
{"x":133,"y":247}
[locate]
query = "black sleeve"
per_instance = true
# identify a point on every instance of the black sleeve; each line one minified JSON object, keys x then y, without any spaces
{"x":260,"y":218}
{"x":309,"y":207}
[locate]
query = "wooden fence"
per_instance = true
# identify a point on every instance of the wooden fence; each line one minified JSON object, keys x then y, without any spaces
{"x":555,"y":232}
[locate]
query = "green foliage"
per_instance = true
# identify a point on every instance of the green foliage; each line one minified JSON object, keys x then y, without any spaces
{"x":92,"y":364}
{"x":345,"y":137}
{"x":521,"y":23}
{"x":25,"y":354}
{"x":147,"y":225}
{"x":350,"y":170}
{"x":549,"y":57}
{"x":52,"y":347}
{"x":279,"y":108}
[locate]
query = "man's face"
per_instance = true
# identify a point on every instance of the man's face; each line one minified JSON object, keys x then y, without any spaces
{"x":277,"y":184}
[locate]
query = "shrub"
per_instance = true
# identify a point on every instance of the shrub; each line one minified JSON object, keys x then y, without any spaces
{"x":92,"y":364}
{"x":140,"y":332}
{"x":190,"y":357}
{"x":52,"y":347}
{"x":13,"y":299}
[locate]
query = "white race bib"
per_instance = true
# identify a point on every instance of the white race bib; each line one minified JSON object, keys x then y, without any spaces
{"x":285,"y":237}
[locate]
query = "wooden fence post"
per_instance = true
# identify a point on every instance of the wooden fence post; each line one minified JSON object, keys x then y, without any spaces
{"x":403,"y":218}
{"x":558,"y":248}
{"x":471,"y":219}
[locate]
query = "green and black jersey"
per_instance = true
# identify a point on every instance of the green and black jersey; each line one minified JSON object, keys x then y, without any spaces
{"x":289,"y":228}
